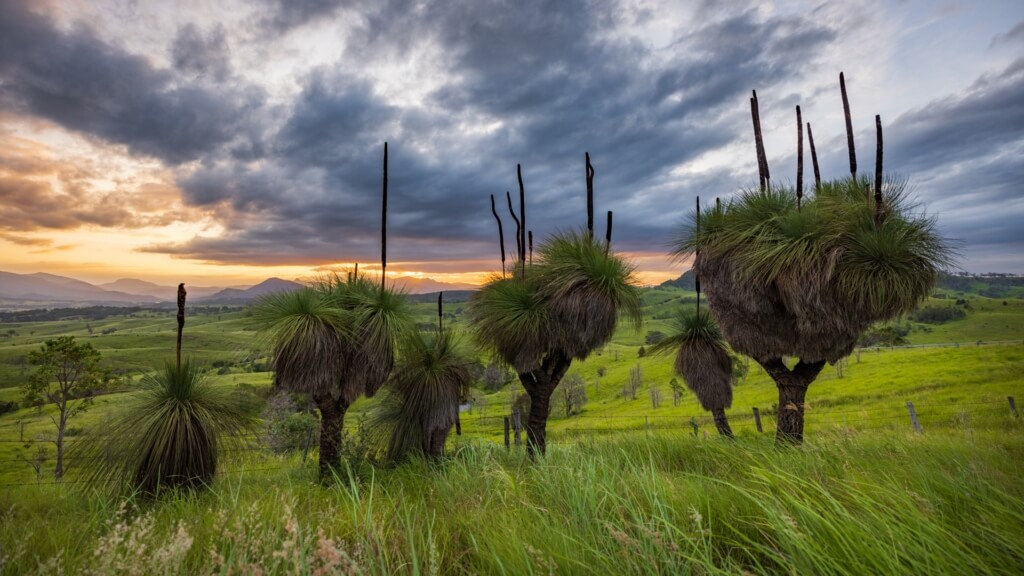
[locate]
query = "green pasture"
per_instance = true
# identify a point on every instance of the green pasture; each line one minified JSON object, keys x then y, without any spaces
{"x":626,"y":488}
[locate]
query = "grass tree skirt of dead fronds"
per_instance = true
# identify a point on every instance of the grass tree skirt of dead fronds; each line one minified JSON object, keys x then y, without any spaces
{"x":420,"y":403}
{"x":585,"y":289}
{"x":806,"y":283}
{"x":703,"y":361}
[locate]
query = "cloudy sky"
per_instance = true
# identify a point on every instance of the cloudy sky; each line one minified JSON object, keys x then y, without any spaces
{"x":231,"y":141}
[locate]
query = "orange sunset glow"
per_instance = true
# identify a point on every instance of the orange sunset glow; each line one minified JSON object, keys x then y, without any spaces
{"x":223,"y":145}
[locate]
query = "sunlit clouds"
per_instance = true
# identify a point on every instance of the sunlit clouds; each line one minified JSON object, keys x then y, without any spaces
{"x":224,"y":144}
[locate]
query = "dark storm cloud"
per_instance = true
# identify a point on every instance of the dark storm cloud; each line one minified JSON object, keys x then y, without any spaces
{"x":555,"y":82}
{"x":203,"y":54}
{"x":283,"y":15}
{"x":537,"y":82}
{"x":301,"y":182}
{"x":85,"y":84}
{"x":963,"y":128}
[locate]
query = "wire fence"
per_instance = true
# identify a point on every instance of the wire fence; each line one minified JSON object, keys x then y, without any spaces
{"x":251,"y":453}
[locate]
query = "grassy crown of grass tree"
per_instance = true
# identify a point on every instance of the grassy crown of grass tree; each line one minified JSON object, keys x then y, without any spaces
{"x":380,"y":318}
{"x":170,"y":435}
{"x":569,"y":299}
{"x":308,"y":331}
{"x":511,"y":318}
{"x":421,"y":399}
{"x":585,"y":289}
{"x":807,"y":282}
{"x":702,"y":358}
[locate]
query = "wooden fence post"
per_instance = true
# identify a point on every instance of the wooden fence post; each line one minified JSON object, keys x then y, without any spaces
{"x":309,"y":440}
{"x":1013,"y":406}
{"x":757,"y":419}
{"x":506,"y":434}
{"x":913,"y":416}
{"x":647,"y":425}
{"x":517,"y":423}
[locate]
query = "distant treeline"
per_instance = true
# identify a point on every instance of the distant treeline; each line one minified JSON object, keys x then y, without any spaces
{"x":989,"y":285}
{"x":100,"y":312}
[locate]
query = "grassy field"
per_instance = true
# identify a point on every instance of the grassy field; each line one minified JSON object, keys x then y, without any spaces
{"x":627,"y":488}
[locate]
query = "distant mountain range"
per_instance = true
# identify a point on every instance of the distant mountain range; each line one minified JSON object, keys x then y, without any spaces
{"x":43,"y":288}
{"x":244,"y":295}
{"x":143,"y":288}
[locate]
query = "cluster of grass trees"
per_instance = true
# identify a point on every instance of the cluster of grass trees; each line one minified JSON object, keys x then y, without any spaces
{"x":784,"y":276}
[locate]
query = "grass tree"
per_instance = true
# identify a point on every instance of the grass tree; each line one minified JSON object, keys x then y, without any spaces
{"x":557,"y":306}
{"x":170,"y":435}
{"x":420,"y":403}
{"x":796,"y":279}
{"x":334,"y":341}
{"x":308,"y":331}
{"x":703,"y":361}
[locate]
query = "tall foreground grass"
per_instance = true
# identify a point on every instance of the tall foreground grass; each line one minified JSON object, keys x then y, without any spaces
{"x":630,"y":504}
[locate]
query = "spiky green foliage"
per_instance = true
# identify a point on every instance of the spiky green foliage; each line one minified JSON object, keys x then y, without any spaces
{"x":702,"y":357}
{"x":336,"y":337}
{"x":421,"y":399}
{"x":170,"y":436}
{"x":511,"y":318}
{"x":806,"y":283}
{"x":586,"y":288}
{"x":308,"y":331}
{"x":570,"y":299}
{"x":380,"y":318}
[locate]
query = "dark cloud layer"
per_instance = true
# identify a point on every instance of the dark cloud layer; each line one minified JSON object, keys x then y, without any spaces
{"x":283,"y":15}
{"x":201,"y":54}
{"x":556,"y":83}
{"x":85,"y":84}
{"x":299,"y":182}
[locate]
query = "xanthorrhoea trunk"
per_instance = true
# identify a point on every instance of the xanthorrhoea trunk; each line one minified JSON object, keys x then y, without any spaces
{"x":792,"y":385}
{"x":332,"y":420}
{"x":722,"y":422}
{"x":433,"y":442}
{"x":540,"y":384}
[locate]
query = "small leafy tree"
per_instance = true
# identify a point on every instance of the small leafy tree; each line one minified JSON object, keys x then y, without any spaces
{"x":67,"y":376}
{"x":633,"y":384}
{"x":677,"y":391}
{"x":496,"y":376}
{"x":653,"y":337}
{"x":573,"y":394}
